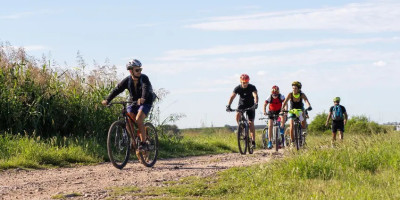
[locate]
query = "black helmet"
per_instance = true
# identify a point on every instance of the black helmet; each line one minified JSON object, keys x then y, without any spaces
{"x":133,"y":63}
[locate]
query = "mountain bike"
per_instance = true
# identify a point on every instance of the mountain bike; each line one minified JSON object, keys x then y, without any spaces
{"x":244,"y":141}
{"x":277,"y":138}
{"x":122,"y":138}
{"x":299,"y":135}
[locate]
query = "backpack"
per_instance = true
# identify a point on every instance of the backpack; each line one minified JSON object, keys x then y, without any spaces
{"x":152,"y":93}
{"x":337,"y":112}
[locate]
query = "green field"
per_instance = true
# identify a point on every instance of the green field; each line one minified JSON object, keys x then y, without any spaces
{"x":362,"y":167}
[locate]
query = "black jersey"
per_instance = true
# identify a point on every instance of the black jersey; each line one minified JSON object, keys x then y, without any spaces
{"x":246,"y":95}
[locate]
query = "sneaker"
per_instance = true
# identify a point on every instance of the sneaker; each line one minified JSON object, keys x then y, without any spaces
{"x":253,"y":144}
{"x":269,"y":145}
{"x":142,"y":146}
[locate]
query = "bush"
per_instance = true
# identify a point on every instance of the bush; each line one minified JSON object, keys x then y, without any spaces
{"x":318,"y":124}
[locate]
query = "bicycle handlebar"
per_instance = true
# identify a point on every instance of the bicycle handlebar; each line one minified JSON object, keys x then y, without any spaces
{"x":122,"y":102}
{"x":241,"y":110}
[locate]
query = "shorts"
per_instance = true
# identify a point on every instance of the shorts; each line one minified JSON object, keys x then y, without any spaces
{"x":250,"y":113}
{"x":292,"y":116}
{"x":272,"y":113}
{"x":145,"y":108}
{"x":337,"y":126}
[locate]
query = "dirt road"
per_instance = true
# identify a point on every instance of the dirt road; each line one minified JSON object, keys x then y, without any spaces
{"x":94,"y":182}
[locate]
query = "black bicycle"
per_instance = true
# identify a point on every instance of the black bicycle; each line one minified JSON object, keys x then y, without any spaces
{"x":123,"y":137}
{"x":299,"y":135}
{"x":244,"y":141}
{"x":277,"y":139}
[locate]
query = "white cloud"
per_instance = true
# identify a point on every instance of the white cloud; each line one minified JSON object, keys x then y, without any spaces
{"x":189,"y":54}
{"x":380,"y":63}
{"x":377,"y":16}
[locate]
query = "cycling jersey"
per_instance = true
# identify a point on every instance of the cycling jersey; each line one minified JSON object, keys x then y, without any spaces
{"x":142,"y":90}
{"x":246,"y":95}
{"x":297,"y":105}
{"x":275,"y":104}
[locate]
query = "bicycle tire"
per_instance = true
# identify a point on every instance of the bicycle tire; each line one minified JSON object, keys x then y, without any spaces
{"x":276,"y":132}
{"x":248,"y":141}
{"x":149,"y":157}
{"x":118,"y":144}
{"x":241,"y":137}
{"x":264,"y":139}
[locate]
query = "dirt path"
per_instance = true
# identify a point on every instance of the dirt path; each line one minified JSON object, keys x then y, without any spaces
{"x":93,"y":182}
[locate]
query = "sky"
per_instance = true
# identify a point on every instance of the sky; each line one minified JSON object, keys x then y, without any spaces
{"x":197,"y":50}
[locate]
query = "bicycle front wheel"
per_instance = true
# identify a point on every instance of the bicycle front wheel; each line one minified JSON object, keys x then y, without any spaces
{"x":241,"y":137}
{"x":118,"y":144}
{"x":149,"y":157}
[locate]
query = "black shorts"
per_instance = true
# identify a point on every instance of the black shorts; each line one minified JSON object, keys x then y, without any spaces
{"x":337,"y":126}
{"x":272,"y":113}
{"x":250,"y":113}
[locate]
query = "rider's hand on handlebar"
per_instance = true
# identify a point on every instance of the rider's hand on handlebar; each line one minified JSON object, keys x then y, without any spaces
{"x":104,"y":102}
{"x":309,"y":108}
{"x":255,"y":106}
{"x":228,"y":108}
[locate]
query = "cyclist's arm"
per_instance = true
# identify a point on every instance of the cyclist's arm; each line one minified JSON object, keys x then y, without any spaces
{"x":306,"y":100}
{"x":232,"y":98}
{"x":328,"y":118}
{"x":118,"y":89}
{"x":284,"y":104}
{"x":255,"y":95}
{"x":265,"y":107}
{"x":345,"y":117}
{"x":146,"y":85}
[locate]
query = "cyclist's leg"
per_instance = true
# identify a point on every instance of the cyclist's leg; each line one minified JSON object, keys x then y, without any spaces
{"x":238,"y":115}
{"x":270,"y":126}
{"x":142,"y":113}
{"x":252,"y":114}
{"x":291,"y":129}
{"x":341,"y":129}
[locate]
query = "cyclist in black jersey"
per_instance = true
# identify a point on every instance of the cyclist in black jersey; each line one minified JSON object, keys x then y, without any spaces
{"x":248,"y":98}
{"x":140,"y":90}
{"x":296,"y":98}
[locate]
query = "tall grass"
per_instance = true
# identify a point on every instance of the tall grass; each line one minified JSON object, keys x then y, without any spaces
{"x":36,"y":98}
{"x":359,"y":168}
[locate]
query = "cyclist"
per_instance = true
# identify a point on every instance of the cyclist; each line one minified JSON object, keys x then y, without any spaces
{"x":296,"y":98}
{"x":275,"y":103}
{"x":248,"y":99}
{"x":339,"y":118}
{"x":140,"y":90}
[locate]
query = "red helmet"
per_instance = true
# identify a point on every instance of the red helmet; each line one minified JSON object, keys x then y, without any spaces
{"x":244,"y":78}
{"x":275,"y":89}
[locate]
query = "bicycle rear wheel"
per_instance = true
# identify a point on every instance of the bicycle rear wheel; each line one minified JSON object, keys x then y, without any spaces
{"x":264,"y":138}
{"x":276,"y":134}
{"x":149,"y":157}
{"x":118,"y":144}
{"x":242,"y":139}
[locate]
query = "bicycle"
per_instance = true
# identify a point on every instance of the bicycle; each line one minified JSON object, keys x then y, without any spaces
{"x":119,"y":139}
{"x":276,"y":140}
{"x":243,"y":132}
{"x":299,"y":136}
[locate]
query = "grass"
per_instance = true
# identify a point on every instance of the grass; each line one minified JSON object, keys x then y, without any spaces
{"x":359,"y":168}
{"x":199,"y":142}
{"x":23,"y":151}
{"x":34,"y":152}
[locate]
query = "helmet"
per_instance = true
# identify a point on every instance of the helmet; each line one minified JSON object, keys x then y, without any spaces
{"x":275,"y":89}
{"x":297,"y":83}
{"x":133,"y":63}
{"x":336,"y":99}
{"x":244,"y":78}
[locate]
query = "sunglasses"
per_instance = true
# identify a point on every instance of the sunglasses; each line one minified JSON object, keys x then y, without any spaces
{"x":138,"y":70}
{"x":274,"y":95}
{"x":245,"y":82}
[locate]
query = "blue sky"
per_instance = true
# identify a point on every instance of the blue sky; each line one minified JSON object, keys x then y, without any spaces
{"x":197,"y":50}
